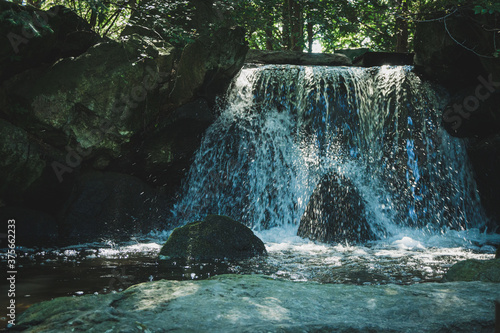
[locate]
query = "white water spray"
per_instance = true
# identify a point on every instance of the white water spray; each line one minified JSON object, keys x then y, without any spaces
{"x":285,"y":126}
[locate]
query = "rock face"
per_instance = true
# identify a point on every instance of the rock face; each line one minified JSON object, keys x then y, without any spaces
{"x":33,"y":228}
{"x":73,"y":105}
{"x":207,"y":65}
{"x":473,"y":78}
{"x":111,"y":205}
{"x":297,"y":58}
{"x":31,"y":37}
{"x":485,"y":159}
{"x":21,"y":161}
{"x":166,"y":154}
{"x":474,"y":270}
{"x":216,"y":237}
{"x":370,"y":59}
{"x":74,"y":101}
{"x":440,"y":58}
{"x":335,"y":213}
{"x":473,"y":112}
{"x":353,"y":53}
{"x":255,"y":303}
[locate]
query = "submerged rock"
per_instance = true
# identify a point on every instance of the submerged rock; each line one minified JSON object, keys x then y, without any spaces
{"x":474,"y":270}
{"x":255,"y":303}
{"x":335,"y":213}
{"x":216,"y":237}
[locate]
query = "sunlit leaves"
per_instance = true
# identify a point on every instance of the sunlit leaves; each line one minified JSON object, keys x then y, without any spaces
{"x":336,"y":24}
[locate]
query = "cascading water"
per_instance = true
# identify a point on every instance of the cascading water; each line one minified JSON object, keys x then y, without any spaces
{"x":281,"y":130}
{"x":283,"y":127}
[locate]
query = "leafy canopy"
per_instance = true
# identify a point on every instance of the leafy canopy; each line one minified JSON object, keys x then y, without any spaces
{"x":278,"y":24}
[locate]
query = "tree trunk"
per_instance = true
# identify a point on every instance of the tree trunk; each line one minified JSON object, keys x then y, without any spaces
{"x":286,"y":24}
{"x":269,"y":39}
{"x":269,"y":33}
{"x":93,"y":18}
{"x":297,"y":36}
{"x":310,"y":36}
{"x":402,"y":28}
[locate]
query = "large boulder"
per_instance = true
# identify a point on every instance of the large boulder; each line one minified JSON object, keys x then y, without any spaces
{"x":215,"y":238}
{"x":21,"y":161}
{"x":26,"y":174}
{"x":458,"y":52}
{"x":163,"y":157}
{"x":440,"y":57}
{"x":207,"y":66}
{"x":74,"y":102}
{"x":137,"y":106}
{"x":335,"y":213}
{"x":111,"y":205}
{"x":473,"y":112}
{"x":30,"y":37}
{"x":257,"y":303}
{"x":484,"y":155}
{"x":474,"y":270}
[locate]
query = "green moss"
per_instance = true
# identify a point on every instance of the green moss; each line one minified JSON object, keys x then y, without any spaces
{"x":474,"y":270}
{"x":216,"y":237}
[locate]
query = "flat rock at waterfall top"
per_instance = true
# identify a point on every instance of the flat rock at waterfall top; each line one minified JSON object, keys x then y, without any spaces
{"x":296,"y":58}
{"x":254,"y":303}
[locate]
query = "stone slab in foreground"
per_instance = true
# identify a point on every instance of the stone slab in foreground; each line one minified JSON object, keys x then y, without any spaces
{"x":253,"y":303}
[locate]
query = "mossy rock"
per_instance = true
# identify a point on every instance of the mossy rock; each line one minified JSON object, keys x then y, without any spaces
{"x":21,"y":161}
{"x":336,"y":213}
{"x":215,"y":238}
{"x":474,"y":270}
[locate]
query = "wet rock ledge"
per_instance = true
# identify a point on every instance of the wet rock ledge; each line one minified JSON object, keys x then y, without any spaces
{"x":296,"y":58}
{"x":254,"y":303}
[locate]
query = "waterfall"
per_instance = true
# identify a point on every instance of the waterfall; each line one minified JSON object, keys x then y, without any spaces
{"x":283,"y":127}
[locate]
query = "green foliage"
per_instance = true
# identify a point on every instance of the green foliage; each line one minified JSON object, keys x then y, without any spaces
{"x":168,"y":19}
{"x":337,"y":24}
{"x":275,"y":24}
{"x":27,"y":21}
{"x":110,"y":17}
{"x":107,"y":17}
{"x":487,"y":7}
